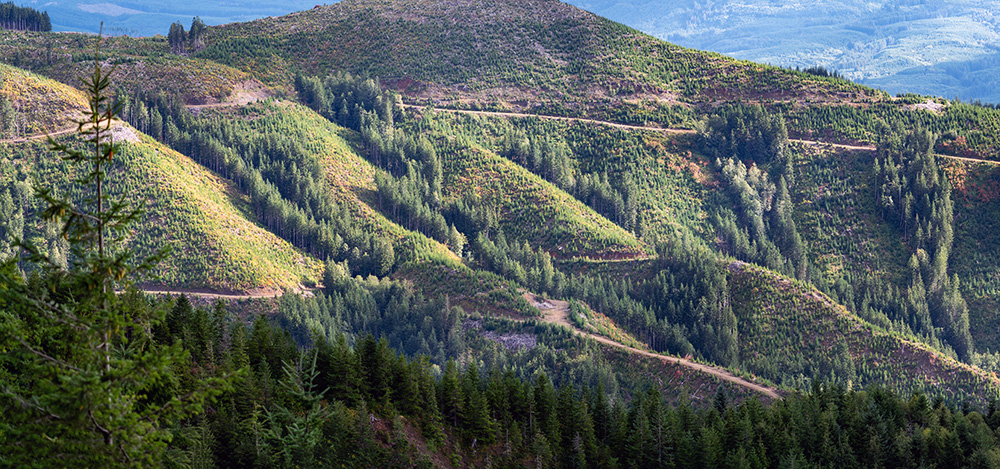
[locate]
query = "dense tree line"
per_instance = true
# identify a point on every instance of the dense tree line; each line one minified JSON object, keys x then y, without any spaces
{"x":914,"y":194}
{"x":683,"y":309}
{"x":23,"y":18}
{"x":338,"y":403}
{"x":411,"y":192}
{"x":821,"y":71}
{"x":550,"y":157}
{"x":752,"y":155}
{"x":521,"y":263}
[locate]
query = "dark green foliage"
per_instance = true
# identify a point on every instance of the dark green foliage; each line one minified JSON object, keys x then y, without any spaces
{"x":752,"y":154}
{"x":914,"y":194}
{"x":83,"y":383}
{"x":283,"y":177}
{"x":177,"y":37}
{"x":489,"y":413}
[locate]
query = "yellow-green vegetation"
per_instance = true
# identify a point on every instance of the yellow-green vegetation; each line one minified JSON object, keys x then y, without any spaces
{"x":350,"y":178}
{"x":200,"y":216}
{"x":670,"y":184}
{"x":789,"y":330}
{"x":353,"y":178}
{"x":530,"y":208}
{"x":39,"y":105}
{"x":543,"y":56}
{"x":203,"y":217}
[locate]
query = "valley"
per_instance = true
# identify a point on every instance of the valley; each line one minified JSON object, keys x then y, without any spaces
{"x":515,"y":233}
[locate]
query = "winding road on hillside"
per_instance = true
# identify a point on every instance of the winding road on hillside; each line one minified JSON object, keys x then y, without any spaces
{"x":554,"y":312}
{"x":667,"y":130}
{"x":556,"y":118}
{"x":115,"y":125}
{"x":557,"y":312}
{"x":212,"y":295}
{"x":42,"y":136}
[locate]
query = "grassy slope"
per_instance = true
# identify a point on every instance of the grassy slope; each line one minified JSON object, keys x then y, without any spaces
{"x":549,"y":52}
{"x":199,"y":215}
{"x":530,"y":208}
{"x":204,"y":218}
{"x":434,"y":269}
{"x":833,"y":210}
{"x":672,"y":183}
{"x":42,"y":105}
{"x":351,"y":178}
{"x":548,"y":57}
{"x":787,"y":327}
{"x":515,"y":52}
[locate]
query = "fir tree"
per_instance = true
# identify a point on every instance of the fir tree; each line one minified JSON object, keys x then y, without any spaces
{"x":86,"y":372}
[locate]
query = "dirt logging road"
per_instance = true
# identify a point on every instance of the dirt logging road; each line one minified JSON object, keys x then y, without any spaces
{"x":665,"y":130}
{"x":557,"y":312}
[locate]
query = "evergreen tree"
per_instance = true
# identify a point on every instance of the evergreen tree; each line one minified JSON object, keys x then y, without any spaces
{"x":86,"y":370}
{"x":177,"y":38}
{"x":196,"y":35}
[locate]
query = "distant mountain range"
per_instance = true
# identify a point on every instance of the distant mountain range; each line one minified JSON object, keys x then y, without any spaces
{"x":151,"y":17}
{"x":949,"y":49}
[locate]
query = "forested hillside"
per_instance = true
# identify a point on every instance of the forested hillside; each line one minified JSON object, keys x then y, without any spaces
{"x":200,"y":216}
{"x":602,"y":250}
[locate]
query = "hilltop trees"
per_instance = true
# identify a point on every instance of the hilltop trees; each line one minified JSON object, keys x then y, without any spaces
{"x":177,"y":37}
{"x":23,"y":18}
{"x":190,"y":41}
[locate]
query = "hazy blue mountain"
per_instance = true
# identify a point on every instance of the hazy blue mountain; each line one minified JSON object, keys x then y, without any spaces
{"x":947,"y":48}
{"x":151,"y":17}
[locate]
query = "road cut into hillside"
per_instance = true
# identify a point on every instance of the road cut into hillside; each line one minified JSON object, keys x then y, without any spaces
{"x":666,"y":130}
{"x":115,"y":130}
{"x":557,"y":312}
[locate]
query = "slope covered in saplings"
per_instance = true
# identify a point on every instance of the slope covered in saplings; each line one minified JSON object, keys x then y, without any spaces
{"x":199,"y":216}
{"x":528,"y":208}
{"x":977,"y":247}
{"x":790,"y":330}
{"x":542,"y":56}
{"x":527,"y":54}
{"x":310,"y":150}
{"x":32,"y":105}
{"x":142,"y":65}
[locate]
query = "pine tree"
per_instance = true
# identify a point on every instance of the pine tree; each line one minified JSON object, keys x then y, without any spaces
{"x":177,"y":37}
{"x":196,"y":35}
{"x":84,"y":355}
